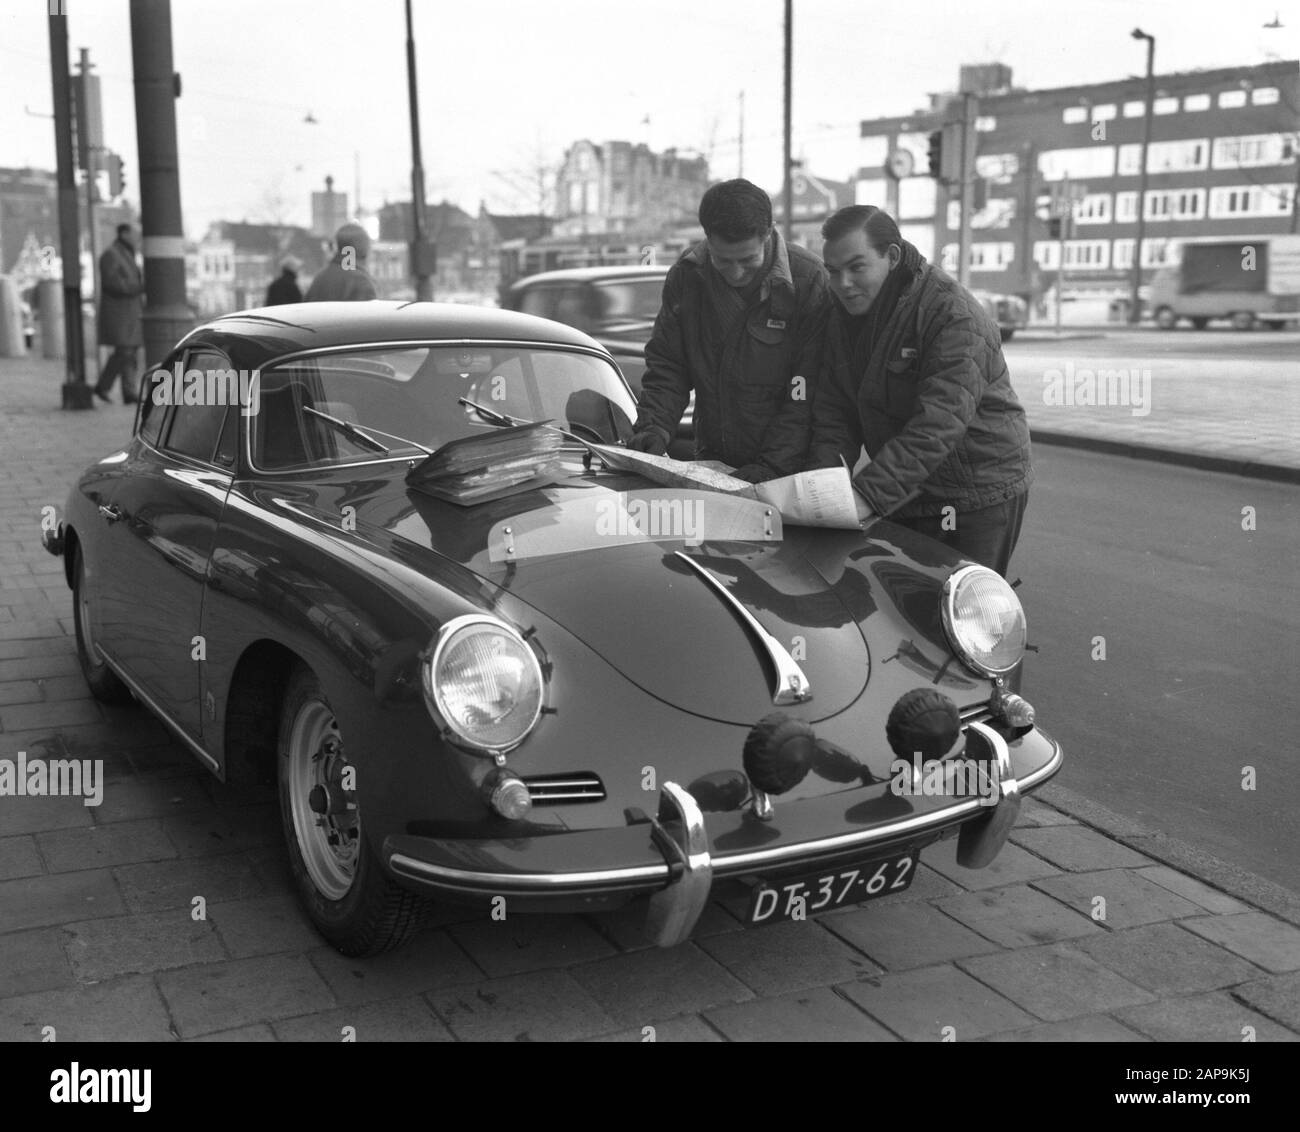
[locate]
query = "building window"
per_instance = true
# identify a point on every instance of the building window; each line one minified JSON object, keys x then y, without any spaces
{"x":1130,"y":160}
{"x":1126,"y":208}
{"x":1103,"y":113}
{"x":1155,"y":253}
{"x":1192,"y":103}
{"x":1093,"y":209}
{"x":1087,"y":161}
{"x":992,"y":257}
{"x":1231,"y":99}
{"x":949,"y":259}
{"x":954,"y":214}
{"x":1165,"y":106}
{"x":1177,"y":156}
{"x":1253,"y":149}
{"x":1087,"y":255}
{"x":1134,"y":109}
{"x":986,"y":124}
{"x":1175,"y":204}
{"x":1238,"y":202}
{"x":1121,"y":254}
{"x":1264,"y":96}
{"x":998,"y":167}
{"x":1047,"y":254}
{"x":1072,"y":115}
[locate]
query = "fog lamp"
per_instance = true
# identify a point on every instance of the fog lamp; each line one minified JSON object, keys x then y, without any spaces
{"x":923,"y":722}
{"x":778,"y":752}
{"x":508,"y":795}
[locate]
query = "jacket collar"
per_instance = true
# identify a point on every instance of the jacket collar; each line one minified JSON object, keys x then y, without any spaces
{"x":777,"y":287}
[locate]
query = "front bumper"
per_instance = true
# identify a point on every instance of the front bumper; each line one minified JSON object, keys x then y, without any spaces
{"x":675,"y":856}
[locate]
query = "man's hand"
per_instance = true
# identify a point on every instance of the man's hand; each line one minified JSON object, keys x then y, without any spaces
{"x":865,"y":513}
{"x":753,"y":473}
{"x":649,"y":441}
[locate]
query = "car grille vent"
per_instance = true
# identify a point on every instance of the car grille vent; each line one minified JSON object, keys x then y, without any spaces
{"x":564,"y":789}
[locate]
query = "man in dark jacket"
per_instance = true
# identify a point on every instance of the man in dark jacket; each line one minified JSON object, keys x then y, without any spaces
{"x":913,"y":371}
{"x":121,"y":286}
{"x":739,"y":326}
{"x":285,"y":288}
{"x":346,"y":277}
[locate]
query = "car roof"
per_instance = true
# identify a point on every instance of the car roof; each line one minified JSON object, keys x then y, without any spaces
{"x":594,"y":275}
{"x":261,"y":334}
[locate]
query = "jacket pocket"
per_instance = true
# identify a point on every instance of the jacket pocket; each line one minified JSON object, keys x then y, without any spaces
{"x":901,"y":378}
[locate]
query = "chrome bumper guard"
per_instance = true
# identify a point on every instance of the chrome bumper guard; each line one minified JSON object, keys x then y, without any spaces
{"x":680,"y":835}
{"x":981,"y":840}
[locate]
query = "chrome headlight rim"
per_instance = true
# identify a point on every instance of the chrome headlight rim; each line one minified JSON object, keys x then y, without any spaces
{"x":951,"y":587}
{"x":429,"y":666}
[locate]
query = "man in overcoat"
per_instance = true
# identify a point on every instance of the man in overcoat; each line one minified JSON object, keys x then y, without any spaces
{"x":121,"y":291}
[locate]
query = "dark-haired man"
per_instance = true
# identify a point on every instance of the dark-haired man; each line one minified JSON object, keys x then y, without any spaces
{"x":912,"y":370}
{"x":739,"y":325}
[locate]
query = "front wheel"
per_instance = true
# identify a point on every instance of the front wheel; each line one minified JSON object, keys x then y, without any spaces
{"x":340,"y":883}
{"x":1006,"y":332}
{"x":1243,"y":320}
{"x":102,"y":681}
{"x":1166,"y":319}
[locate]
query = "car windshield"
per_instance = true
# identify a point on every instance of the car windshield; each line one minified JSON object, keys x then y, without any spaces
{"x":630,"y":300}
{"x":411,"y":398}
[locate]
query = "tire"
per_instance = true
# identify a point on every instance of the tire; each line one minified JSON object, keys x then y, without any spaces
{"x":1243,"y":320}
{"x":1200,"y":323}
{"x":1166,"y":319}
{"x":339,"y":881}
{"x":1006,"y":332}
{"x":102,"y":681}
{"x":1276,"y":324}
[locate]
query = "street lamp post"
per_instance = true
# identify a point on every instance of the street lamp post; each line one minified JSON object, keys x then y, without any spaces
{"x":1135,"y":305}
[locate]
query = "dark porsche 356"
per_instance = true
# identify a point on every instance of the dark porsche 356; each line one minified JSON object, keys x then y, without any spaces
{"x":573,"y":691}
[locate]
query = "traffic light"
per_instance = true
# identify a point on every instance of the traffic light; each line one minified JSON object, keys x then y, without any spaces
{"x":1054,"y":228}
{"x":936,"y":154}
{"x":116,"y":174}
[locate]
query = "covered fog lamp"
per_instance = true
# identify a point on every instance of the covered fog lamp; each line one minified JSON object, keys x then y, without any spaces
{"x":1016,"y":710}
{"x":924,"y":723}
{"x":778,"y":753}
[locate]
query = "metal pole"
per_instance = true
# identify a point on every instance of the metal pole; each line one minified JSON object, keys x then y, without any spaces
{"x":969,"y":109}
{"x":1135,"y":308}
{"x":76,"y":393}
{"x":423,"y":281}
{"x":92,"y":193}
{"x":1029,"y":171}
{"x":741,"y":171}
{"x":787,"y":187}
{"x":167,"y":316}
{"x":1063,"y":204}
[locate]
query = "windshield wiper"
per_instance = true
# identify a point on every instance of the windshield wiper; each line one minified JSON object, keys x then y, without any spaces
{"x":507,"y":421}
{"x":362,"y":439}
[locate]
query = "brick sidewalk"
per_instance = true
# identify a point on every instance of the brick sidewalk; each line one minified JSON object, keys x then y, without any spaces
{"x":97,"y":938}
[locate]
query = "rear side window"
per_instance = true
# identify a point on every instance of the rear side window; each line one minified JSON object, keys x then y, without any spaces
{"x":195,"y":423}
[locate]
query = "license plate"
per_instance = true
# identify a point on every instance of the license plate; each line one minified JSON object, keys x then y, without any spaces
{"x":798,"y":899}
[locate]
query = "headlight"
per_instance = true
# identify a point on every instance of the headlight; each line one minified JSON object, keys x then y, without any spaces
{"x":984,"y":620}
{"x":484,"y":683}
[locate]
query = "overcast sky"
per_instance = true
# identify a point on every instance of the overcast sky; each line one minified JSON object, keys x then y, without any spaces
{"x":506,"y":83}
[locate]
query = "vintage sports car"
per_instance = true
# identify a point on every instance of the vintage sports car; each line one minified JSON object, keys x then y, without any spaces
{"x":363,"y":549}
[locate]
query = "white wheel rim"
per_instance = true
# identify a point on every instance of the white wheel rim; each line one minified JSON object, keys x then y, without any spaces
{"x":329,"y":843}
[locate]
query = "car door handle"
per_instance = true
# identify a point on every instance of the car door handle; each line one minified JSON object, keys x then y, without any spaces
{"x":112,"y":513}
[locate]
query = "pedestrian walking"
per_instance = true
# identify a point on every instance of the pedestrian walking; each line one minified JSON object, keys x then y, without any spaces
{"x":345,"y":278}
{"x":284,"y":288}
{"x":913,"y":370}
{"x":738,"y":326}
{"x":121,"y":290}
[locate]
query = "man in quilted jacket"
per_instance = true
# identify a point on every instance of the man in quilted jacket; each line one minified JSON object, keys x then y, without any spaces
{"x":739,"y":326}
{"x":912,"y":370}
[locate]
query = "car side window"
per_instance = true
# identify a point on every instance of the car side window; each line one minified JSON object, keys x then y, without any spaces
{"x":195,"y":427}
{"x":152,"y":411}
{"x":540,"y":301}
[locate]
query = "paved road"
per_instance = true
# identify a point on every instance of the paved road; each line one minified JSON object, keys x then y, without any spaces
{"x":1202,"y":643}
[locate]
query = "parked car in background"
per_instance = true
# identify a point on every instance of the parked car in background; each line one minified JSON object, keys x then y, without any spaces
{"x":564,"y":692}
{"x":1010,"y":312}
{"x":615,"y":305}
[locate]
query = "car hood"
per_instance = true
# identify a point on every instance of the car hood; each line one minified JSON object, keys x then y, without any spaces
{"x":636,"y":601}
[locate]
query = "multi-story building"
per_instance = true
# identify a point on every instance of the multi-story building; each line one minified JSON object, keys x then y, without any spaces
{"x":1222,"y":163}
{"x":813,"y":200}
{"x":623,"y":189}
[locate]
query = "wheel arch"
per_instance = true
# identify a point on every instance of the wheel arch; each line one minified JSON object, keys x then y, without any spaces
{"x":253,"y":704}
